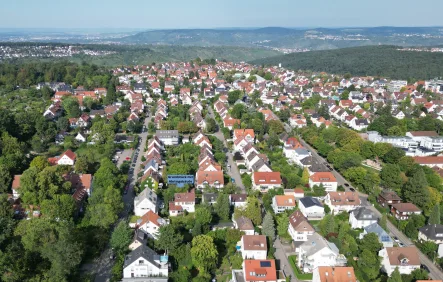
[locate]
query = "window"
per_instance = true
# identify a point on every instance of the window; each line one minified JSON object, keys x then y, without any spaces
{"x":141,"y":261}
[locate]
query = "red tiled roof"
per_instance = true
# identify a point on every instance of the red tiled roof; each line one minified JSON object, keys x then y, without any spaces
{"x":266,"y":177}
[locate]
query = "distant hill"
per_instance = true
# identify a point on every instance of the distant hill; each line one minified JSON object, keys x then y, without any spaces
{"x":369,"y":60}
{"x":147,"y":54}
{"x":291,"y":38}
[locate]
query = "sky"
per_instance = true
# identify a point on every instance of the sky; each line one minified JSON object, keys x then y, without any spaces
{"x":167,"y":14}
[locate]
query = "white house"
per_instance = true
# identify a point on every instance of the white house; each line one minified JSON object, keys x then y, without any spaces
{"x":327,"y":179}
{"x":168,"y":137}
{"x":150,"y":223}
{"x":266,"y":180}
{"x":143,"y":262}
{"x":316,"y":251}
{"x":145,"y":201}
{"x":342,"y":201}
{"x":299,"y":228}
{"x":361,"y":217}
{"x":280,"y":203}
{"x":311,"y":208}
{"x":405,"y":258}
{"x":182,"y":202}
{"x":68,"y":158}
{"x":253,"y":247}
{"x":238,"y":200}
{"x":244,"y":224}
{"x":431,"y":232}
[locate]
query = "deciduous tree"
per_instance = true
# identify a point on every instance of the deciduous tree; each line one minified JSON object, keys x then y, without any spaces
{"x":168,"y":238}
{"x":204,"y":253}
{"x":268,"y":228}
{"x":121,"y":236}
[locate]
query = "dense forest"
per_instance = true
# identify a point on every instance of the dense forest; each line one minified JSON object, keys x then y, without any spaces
{"x":147,"y":54}
{"x":384,"y":61}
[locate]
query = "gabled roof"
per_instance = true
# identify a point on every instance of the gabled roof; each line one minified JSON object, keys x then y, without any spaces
{"x":406,"y":207}
{"x":70,"y":154}
{"x":397,"y":254}
{"x":363,"y":214}
{"x":266,"y":177}
{"x":344,"y":198}
{"x":323,"y":177}
{"x":254,"y":243}
{"x":310,"y":202}
{"x":16,"y":182}
{"x":152,"y":217}
{"x":142,"y":252}
{"x":336,"y":274}
{"x":260,"y":270}
{"x":299,"y":222}
{"x":244,"y":223}
{"x":433,"y":231}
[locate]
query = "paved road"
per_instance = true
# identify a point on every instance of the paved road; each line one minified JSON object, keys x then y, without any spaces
{"x":435,"y":272}
{"x":280,"y":254}
{"x":103,"y":265}
{"x":232,"y":169}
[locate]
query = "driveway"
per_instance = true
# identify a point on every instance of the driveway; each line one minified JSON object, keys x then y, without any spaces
{"x":103,"y":265}
{"x":231,"y":167}
{"x":280,"y":255}
{"x":435,"y":272}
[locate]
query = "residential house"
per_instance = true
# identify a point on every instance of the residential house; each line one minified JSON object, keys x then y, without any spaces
{"x":299,"y":228}
{"x":230,"y":122}
{"x":406,"y":259}
{"x":150,"y":223}
{"x":281,"y":203}
{"x":209,"y":198}
{"x":388,"y":198}
{"x":402,"y":211}
{"x":256,"y":271}
{"x":168,"y":137}
{"x":264,"y":181}
{"x":326,"y":179}
{"x":244,"y":224}
{"x":67,"y":158}
{"x":182,"y":202}
{"x":383,"y":236}
{"x":140,"y":238}
{"x":145,"y":201}
{"x":431,"y":232}
{"x":253,"y":247}
{"x":16,"y":187}
{"x":311,"y":208}
{"x":209,"y":179}
{"x":142,"y":263}
{"x":430,"y":161}
{"x":361,"y":217}
{"x":334,"y":274}
{"x":238,"y":200}
{"x":316,"y":251}
{"x":342,"y":201}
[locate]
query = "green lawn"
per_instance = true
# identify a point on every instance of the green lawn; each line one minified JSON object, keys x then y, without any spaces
{"x":297,"y":271}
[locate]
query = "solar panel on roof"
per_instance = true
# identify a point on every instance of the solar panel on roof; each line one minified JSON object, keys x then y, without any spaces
{"x":265,"y":264}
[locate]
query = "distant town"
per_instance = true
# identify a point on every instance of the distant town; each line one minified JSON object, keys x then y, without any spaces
{"x":224,"y":171}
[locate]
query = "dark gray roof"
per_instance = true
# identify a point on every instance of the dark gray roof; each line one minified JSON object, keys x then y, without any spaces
{"x":209,"y":197}
{"x":309,"y":202}
{"x":433,"y":231}
{"x":363,"y":214}
{"x":317,"y":167}
{"x":258,"y":164}
{"x":142,"y":252}
{"x":141,"y":237}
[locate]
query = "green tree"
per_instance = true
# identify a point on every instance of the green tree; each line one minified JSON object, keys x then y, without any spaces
{"x":282,"y":224}
{"x":268,"y":228}
{"x":330,"y":226}
{"x":268,"y":76}
{"x":369,"y":264}
{"x":393,"y":155}
{"x":384,"y":222}
{"x":253,"y":210}
{"x":434,"y":217}
{"x":121,"y":237}
{"x":62,"y":124}
{"x":371,"y":243}
{"x":71,"y":107}
{"x":39,"y":162}
{"x":203,"y":215}
{"x":61,"y":207}
{"x":233,"y":96}
{"x":5,"y":179}
{"x":211,"y":125}
{"x":168,"y":238}
{"x":275,"y":126}
{"x":238,"y":110}
{"x":395,"y":276}
{"x":415,"y":189}
{"x":178,"y":168}
{"x":305,"y":176}
{"x":81,"y":164}
{"x":222,"y":207}
{"x":390,"y":176}
{"x":204,"y":253}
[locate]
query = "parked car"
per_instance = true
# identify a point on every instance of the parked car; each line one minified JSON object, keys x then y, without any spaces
{"x":352,"y":189}
{"x":232,"y":180}
{"x":396,"y":239}
{"x":346,"y":185}
{"x":401,"y":245}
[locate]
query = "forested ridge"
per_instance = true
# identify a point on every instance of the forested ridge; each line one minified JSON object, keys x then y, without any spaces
{"x":384,"y":61}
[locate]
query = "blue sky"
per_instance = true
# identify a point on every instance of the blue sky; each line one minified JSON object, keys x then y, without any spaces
{"x":156,"y":14}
